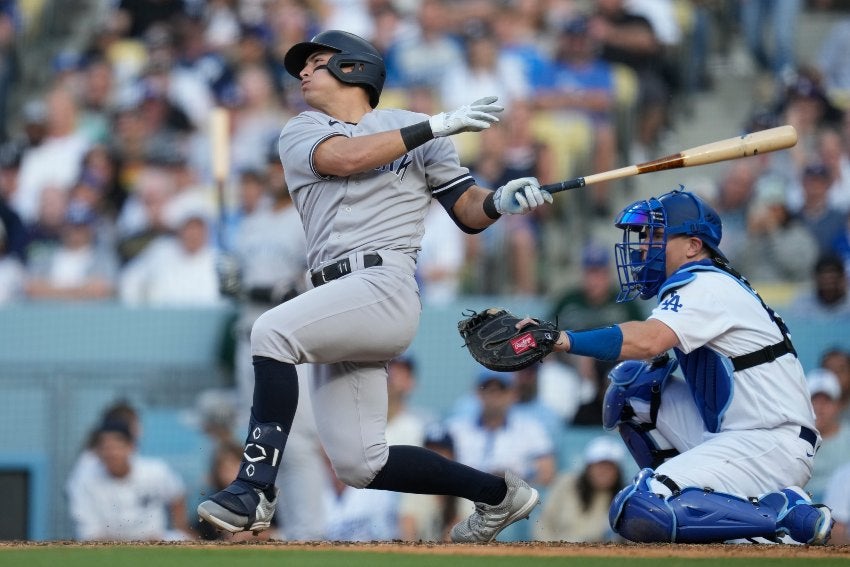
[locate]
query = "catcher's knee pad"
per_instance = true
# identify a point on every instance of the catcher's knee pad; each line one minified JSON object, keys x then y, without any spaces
{"x":689,"y":515}
{"x":263,"y":452}
{"x":636,"y":380}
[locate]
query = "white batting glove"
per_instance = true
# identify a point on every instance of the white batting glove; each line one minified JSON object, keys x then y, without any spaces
{"x":520,"y":196}
{"x":468,"y":118}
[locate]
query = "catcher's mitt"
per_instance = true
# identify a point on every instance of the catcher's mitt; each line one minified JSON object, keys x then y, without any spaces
{"x":494,"y":341}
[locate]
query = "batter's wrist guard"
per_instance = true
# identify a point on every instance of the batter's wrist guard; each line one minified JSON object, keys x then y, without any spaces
{"x":415,"y":135}
{"x":490,"y":207}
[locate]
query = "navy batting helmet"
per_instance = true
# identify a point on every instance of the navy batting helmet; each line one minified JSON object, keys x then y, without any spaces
{"x":365,"y":65}
{"x":641,"y":259}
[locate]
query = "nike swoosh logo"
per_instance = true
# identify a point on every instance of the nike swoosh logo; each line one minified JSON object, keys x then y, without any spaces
{"x":809,"y":454}
{"x":332,"y":122}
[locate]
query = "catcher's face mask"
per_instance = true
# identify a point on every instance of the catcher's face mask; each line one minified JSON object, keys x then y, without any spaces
{"x":641,"y":256}
{"x":647,"y":225}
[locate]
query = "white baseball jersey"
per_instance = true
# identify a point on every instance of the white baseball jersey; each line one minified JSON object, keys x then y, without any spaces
{"x":514,"y":447}
{"x":717,"y":312}
{"x":131,"y":508}
{"x":750,"y":441}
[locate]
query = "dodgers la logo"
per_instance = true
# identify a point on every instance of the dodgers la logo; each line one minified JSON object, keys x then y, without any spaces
{"x":672,"y":303}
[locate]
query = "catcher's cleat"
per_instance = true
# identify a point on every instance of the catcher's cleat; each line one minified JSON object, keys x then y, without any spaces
{"x":240,"y":507}
{"x":808,"y":523}
{"x":487,"y":521}
{"x":797,"y":518}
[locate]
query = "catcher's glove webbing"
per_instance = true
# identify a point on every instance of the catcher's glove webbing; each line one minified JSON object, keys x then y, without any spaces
{"x":494,"y":341}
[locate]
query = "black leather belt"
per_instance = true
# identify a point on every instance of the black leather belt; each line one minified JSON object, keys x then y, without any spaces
{"x":808,"y":435}
{"x":342,"y":267}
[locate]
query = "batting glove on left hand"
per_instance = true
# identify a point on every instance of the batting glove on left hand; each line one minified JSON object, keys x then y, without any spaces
{"x":468,"y":118}
{"x":520,"y":196}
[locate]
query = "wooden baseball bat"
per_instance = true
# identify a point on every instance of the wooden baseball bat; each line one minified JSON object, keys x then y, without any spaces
{"x":220,"y":142}
{"x":761,"y":142}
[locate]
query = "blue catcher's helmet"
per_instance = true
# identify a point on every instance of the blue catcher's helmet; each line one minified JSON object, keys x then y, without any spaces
{"x":646,"y":224}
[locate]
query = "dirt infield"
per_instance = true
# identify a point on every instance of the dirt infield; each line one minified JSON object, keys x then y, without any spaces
{"x":539,"y":549}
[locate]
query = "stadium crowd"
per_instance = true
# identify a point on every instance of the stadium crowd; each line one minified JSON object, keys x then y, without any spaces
{"x":107,"y":190}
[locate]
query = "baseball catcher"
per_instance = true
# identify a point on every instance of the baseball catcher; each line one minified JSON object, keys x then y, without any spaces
{"x":494,"y":340}
{"x":726,"y":449}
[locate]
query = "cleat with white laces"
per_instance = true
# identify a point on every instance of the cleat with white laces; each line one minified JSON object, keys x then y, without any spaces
{"x":488,"y":520}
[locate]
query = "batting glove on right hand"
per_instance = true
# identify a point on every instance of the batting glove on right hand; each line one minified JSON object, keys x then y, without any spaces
{"x":229,"y":275}
{"x":468,"y":118}
{"x":520,"y":196}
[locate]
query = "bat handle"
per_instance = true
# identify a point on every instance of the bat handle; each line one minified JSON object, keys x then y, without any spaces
{"x":563,"y":185}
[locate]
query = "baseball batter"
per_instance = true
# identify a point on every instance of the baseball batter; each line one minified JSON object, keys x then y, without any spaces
{"x":726,"y":449}
{"x":362,"y":180}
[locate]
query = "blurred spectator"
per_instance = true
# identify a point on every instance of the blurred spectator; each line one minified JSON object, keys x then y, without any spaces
{"x":56,"y":162}
{"x":628,"y":38}
{"x":483,"y":71}
{"x":440,"y":264}
{"x":826,"y":401}
{"x":835,"y":155}
{"x":257,"y":119}
{"x":529,"y":401}
{"x":100,"y":170}
{"x":405,"y":425}
{"x":135,"y":17}
{"x":210,"y":62}
{"x":826,"y":296}
{"x":770,"y":31}
{"x":359,"y":514}
{"x":143,"y":217}
{"x":806,"y":107}
{"x":590,"y":305}
{"x":429,"y":517}
{"x":519,"y":31}
{"x":87,"y":461}
{"x":832,"y":60}
{"x":823,"y":220}
{"x":496,"y":440}
{"x":837,"y":360}
{"x":576,"y":508}
{"x":425,"y":56}
{"x":10,"y":26}
{"x":96,"y":98}
{"x":270,"y":254}
{"x":79,"y":268}
{"x":127,"y":497}
{"x":224,"y":466}
{"x":778,"y":247}
{"x":177,"y":271}
{"x":12,"y":274}
{"x":837,"y":497}
{"x":581,"y":84}
{"x":735,"y":193}
{"x":14,"y":231}
{"x":505,"y":258}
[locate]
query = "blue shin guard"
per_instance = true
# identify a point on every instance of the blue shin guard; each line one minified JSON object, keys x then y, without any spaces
{"x":691,"y":515}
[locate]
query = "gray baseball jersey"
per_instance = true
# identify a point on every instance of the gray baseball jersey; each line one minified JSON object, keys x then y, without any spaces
{"x":383,"y":209}
{"x":351,"y":326}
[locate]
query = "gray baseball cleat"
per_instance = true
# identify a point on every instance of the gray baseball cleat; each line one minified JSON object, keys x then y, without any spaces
{"x":488,"y":520}
{"x":239,"y":508}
